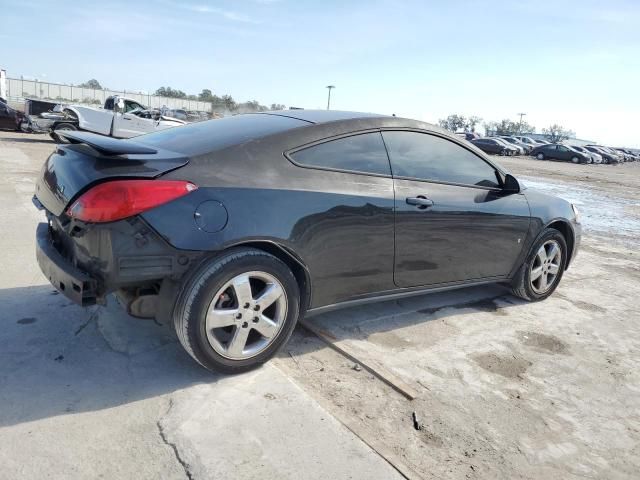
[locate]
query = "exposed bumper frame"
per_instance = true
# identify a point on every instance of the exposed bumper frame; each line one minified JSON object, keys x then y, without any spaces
{"x":67,"y":279}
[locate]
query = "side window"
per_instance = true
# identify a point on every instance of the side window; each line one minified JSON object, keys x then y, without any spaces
{"x":429,"y":157}
{"x":359,"y":153}
{"x":129,"y":106}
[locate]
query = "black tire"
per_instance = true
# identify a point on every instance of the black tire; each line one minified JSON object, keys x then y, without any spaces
{"x":197,"y":292}
{"x":521,"y":284}
{"x":61,"y":126}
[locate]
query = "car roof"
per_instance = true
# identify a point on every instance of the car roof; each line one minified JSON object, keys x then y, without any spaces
{"x":322,"y":116}
{"x":310,"y":125}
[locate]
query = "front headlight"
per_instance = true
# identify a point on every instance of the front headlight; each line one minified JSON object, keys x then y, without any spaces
{"x":576,"y":212}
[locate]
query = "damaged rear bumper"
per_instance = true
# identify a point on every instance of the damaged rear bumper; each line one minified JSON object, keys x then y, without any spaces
{"x":87,"y":262}
{"x":67,"y":279}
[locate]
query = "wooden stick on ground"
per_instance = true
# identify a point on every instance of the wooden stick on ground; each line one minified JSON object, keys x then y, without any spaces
{"x":373,"y":367}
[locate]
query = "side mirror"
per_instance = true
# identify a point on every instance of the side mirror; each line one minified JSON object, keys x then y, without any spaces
{"x":120,"y":104}
{"x":511,"y":184}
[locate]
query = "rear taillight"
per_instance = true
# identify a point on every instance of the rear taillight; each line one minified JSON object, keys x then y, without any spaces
{"x":120,"y":199}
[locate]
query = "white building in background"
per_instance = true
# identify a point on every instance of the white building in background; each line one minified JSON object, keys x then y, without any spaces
{"x":570,"y":141}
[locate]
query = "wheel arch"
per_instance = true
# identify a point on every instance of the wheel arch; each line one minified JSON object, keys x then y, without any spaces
{"x":565,"y":228}
{"x":289,"y":258}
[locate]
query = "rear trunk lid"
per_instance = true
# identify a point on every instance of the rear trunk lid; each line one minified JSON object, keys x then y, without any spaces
{"x":91,"y":159}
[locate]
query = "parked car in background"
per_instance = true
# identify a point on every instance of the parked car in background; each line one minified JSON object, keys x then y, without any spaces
{"x":232,"y":259}
{"x":607,"y":156}
{"x":180,"y":114}
{"x":193,"y":116}
{"x":527,"y":140}
{"x":493,"y":146}
{"x":468,"y":135}
{"x":595,"y":157}
{"x":10,"y":118}
{"x":121,"y":118}
{"x":628,"y":155}
{"x":614,"y":152}
{"x":556,"y":151}
{"x":518,"y":143}
{"x":518,"y":149}
{"x":634,"y":157}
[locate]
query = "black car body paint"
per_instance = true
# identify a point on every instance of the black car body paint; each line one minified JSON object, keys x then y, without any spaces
{"x":354,"y":234}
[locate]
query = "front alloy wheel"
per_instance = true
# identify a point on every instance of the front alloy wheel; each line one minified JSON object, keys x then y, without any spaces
{"x":542,"y":270}
{"x":545,"y":267}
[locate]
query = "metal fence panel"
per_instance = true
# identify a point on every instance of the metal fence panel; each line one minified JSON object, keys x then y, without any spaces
{"x":19,"y":89}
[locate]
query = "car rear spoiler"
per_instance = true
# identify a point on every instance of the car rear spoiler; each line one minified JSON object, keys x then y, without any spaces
{"x":105,"y":145}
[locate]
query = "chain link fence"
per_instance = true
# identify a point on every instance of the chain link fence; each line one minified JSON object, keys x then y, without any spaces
{"x":19,"y":89}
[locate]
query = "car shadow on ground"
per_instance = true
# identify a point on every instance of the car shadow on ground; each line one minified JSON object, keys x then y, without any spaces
{"x":57,"y":358}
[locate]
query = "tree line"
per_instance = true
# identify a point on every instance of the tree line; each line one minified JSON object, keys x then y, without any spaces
{"x":206,"y":95}
{"x":459,"y":123}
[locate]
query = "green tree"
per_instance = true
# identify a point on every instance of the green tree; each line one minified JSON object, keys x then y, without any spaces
{"x":472,"y":122}
{"x":205,"y":95}
{"x":455,"y":122}
{"x":508,"y":127}
{"x":557,"y":134}
{"x":277,"y":106}
{"x":93,"y":83}
{"x":170,"y":92}
{"x":229,"y":103}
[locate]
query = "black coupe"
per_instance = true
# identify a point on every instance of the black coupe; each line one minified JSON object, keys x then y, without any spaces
{"x":235,"y":228}
{"x":556,"y":151}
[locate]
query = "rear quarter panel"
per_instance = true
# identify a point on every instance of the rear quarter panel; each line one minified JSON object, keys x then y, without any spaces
{"x":340,"y":225}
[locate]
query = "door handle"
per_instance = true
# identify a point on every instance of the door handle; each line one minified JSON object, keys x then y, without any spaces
{"x":420,"y":201}
{"x":126,"y":118}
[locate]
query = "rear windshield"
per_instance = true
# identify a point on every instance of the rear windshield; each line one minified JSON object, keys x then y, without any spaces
{"x":204,"y":137}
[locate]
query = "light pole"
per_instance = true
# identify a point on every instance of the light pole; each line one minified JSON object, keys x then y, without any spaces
{"x":520,"y":128}
{"x":329,"y":87}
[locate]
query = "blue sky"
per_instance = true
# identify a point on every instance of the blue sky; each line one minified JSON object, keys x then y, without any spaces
{"x":571,"y":62}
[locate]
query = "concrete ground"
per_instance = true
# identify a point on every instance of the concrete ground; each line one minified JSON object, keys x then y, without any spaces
{"x":506,"y":389}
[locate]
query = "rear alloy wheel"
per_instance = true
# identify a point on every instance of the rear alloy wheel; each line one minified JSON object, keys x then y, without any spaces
{"x":249,"y":301}
{"x":237,"y":310}
{"x":540,"y":156}
{"x":575,"y":160}
{"x":541,"y":273}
